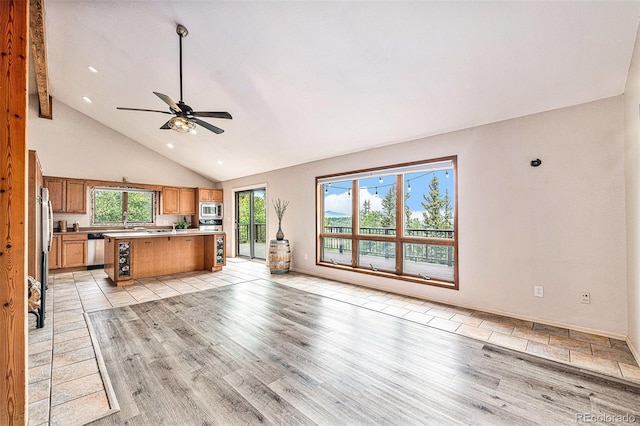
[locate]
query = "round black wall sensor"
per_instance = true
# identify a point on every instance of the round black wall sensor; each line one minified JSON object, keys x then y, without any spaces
{"x":536,"y":162}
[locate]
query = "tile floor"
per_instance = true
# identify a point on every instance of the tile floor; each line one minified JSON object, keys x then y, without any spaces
{"x":66,"y":388}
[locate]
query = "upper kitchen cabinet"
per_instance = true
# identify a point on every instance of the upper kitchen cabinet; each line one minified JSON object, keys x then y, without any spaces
{"x":178,"y":200}
{"x":67,"y":195}
{"x":188,"y":201}
{"x":76,"y":196}
{"x":170,"y":200}
{"x":209,"y":194}
{"x":57,"y":193}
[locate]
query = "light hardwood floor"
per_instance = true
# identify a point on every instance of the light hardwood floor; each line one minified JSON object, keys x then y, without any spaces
{"x":260,"y":352}
{"x":64,"y":378}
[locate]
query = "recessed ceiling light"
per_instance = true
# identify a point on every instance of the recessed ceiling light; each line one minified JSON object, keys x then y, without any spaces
{"x":170,"y":145}
{"x":219,"y":162}
{"x":92,"y":69}
{"x":87,"y":99}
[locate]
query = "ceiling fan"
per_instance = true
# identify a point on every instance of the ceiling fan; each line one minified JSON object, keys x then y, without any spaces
{"x":185,"y":119}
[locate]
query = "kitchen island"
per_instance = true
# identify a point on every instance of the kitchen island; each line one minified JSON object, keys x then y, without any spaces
{"x":133,"y":255}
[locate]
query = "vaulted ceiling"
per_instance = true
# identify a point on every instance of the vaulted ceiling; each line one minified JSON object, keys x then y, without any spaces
{"x":311,"y":80}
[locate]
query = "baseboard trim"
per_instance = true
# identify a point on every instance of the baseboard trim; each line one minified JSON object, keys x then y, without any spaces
{"x":491,"y":311}
{"x":633,"y":350}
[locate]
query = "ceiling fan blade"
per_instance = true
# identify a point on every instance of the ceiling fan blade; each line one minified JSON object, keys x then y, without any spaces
{"x":166,"y":125}
{"x":139,"y":109}
{"x":211,"y":114}
{"x":167,"y":100}
{"x":208,"y":126}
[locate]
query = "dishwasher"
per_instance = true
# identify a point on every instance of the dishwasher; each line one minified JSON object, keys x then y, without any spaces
{"x":95,"y":250}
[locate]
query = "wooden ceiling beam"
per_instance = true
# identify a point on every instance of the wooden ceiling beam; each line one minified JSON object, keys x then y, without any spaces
{"x":39,"y":51}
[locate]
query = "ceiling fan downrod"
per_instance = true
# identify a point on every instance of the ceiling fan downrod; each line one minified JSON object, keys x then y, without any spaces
{"x":185,"y":118}
{"x":182,"y":33}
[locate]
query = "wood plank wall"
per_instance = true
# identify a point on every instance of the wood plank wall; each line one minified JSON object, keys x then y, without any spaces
{"x":14,"y":59}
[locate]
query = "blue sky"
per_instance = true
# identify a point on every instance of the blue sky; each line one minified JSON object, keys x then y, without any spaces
{"x":337,"y":199}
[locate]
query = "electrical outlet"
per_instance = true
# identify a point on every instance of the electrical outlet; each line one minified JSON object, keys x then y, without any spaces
{"x":585,"y":297}
{"x":538,"y":291}
{"x":306,"y":256}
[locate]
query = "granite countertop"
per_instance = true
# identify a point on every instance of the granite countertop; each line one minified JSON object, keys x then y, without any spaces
{"x":99,"y":230}
{"x":160,"y":233}
{"x":116,"y":230}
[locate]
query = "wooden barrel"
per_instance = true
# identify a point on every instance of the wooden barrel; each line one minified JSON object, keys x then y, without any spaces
{"x":279,"y":256}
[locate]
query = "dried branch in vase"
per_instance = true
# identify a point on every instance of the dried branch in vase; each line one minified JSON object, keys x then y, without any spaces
{"x":280,"y":206}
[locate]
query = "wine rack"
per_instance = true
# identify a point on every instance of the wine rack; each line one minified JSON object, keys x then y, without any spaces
{"x":124,"y":259}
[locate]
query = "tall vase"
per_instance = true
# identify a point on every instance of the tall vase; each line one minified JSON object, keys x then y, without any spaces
{"x":279,"y":234}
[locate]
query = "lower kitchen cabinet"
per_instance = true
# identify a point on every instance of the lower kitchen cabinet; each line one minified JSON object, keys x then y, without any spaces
{"x":166,"y":255}
{"x":133,"y":257}
{"x":54,"y":253}
{"x":74,"y":250}
{"x":149,"y":257}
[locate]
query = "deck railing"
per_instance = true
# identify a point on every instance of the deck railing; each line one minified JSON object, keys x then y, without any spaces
{"x":435,"y":254}
{"x":260,"y":230}
{"x":413,"y":232}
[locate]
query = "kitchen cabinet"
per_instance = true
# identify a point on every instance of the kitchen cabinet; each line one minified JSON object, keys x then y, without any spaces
{"x":145,"y":265}
{"x":209,"y":194}
{"x":170,"y":200}
{"x":178,"y":200}
{"x":191,"y":249}
{"x":57,"y":193}
{"x":76,"y":196}
{"x":67,"y":195}
{"x":187,"y":201}
{"x":138,"y":255}
{"x":74,"y":250}
{"x":54,"y":253}
{"x":165,"y":255}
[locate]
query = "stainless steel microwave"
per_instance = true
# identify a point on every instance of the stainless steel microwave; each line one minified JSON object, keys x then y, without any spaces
{"x":210,"y":210}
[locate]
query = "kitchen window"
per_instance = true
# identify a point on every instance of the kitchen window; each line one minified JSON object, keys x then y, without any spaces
{"x":113,"y":205}
{"x":398,"y":221}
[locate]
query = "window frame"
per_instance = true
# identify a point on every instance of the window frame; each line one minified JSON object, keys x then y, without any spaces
{"x":125,"y":200}
{"x":399,"y":239}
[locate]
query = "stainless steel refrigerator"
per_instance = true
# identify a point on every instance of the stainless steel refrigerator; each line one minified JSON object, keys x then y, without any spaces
{"x":45,"y":213}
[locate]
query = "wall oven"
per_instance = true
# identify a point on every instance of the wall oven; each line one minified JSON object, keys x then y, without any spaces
{"x":210,"y":210}
{"x":210,"y":225}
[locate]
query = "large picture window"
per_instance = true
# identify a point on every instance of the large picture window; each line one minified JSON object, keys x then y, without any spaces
{"x":398,"y":221}
{"x":112,"y":205}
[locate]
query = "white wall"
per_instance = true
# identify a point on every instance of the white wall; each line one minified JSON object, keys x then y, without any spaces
{"x":632,"y":180}
{"x":560,"y":225}
{"x":74,"y":145}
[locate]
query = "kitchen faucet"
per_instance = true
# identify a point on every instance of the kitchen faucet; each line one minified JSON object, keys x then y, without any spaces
{"x":124,"y":219}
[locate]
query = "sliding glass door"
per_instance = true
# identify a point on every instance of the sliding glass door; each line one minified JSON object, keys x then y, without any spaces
{"x":251,"y":224}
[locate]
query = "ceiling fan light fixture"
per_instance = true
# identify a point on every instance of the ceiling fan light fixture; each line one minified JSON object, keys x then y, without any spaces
{"x":186,"y":119}
{"x":182,"y":125}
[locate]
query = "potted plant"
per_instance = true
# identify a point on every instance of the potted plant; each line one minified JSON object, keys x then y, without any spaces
{"x":182,"y":224}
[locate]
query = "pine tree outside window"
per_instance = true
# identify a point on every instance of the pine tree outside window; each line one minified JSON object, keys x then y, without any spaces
{"x":405,"y":221}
